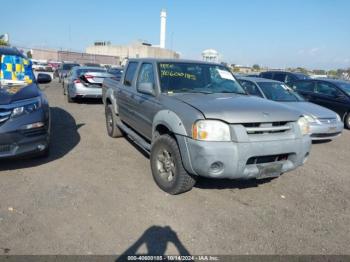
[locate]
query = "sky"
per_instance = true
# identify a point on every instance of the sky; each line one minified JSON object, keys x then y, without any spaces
{"x":309,"y":33}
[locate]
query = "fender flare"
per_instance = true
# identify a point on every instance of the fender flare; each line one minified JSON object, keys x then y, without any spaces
{"x":111,"y":97}
{"x":171,"y":120}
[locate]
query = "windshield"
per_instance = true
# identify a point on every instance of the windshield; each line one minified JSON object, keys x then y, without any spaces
{"x":15,"y":70}
{"x":279,"y":92}
{"x":69,"y":66}
{"x":197,"y":78}
{"x":302,"y":76}
{"x":345,"y":87}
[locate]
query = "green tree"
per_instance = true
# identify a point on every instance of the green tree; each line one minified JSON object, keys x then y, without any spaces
{"x":29,"y":54}
{"x":256,"y":67}
{"x":2,"y":42}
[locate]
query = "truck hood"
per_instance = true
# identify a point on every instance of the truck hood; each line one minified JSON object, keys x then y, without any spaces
{"x":233,"y":108}
{"x":10,"y":94}
{"x":314,"y":110}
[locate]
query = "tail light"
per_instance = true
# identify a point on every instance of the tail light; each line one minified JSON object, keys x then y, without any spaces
{"x":77,"y":81}
{"x":89,"y":76}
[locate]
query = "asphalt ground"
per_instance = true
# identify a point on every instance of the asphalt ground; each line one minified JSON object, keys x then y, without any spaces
{"x":96,"y":195}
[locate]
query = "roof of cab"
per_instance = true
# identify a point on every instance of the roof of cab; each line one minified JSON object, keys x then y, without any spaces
{"x":7,"y":50}
{"x":171,"y":60}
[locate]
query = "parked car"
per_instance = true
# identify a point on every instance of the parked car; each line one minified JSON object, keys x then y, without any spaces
{"x":116,"y":72}
{"x":84,"y":82}
{"x":64,"y":69}
{"x":195,"y":120}
{"x":24,"y":109}
{"x":333,"y":94}
{"x":287,"y":77}
{"x":324,"y":123}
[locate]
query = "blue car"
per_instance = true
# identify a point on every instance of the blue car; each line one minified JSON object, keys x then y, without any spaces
{"x":24,"y":109}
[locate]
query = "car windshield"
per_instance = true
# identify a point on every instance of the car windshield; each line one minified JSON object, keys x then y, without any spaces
{"x":279,"y":92}
{"x":302,"y":76}
{"x":345,"y":87}
{"x":15,"y":70}
{"x":197,"y":78}
{"x":69,"y":66}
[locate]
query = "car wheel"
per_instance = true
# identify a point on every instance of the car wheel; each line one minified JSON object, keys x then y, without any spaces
{"x":111,"y":123}
{"x":347,"y":121}
{"x":69,"y":98}
{"x":167,"y":168}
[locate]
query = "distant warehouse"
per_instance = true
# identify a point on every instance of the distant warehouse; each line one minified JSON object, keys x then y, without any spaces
{"x":134,"y":50}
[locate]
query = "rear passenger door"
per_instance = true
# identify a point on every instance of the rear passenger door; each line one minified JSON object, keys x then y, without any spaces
{"x":328,"y":95}
{"x":124,"y":94}
{"x":146,"y":104}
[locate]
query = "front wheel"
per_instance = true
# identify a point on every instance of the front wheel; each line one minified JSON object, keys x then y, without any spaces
{"x":347,"y":121}
{"x":167,"y":168}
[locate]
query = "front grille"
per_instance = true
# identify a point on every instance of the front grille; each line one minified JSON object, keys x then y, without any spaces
{"x":325,"y":135}
{"x":5,"y":148}
{"x":328,"y":120}
{"x":266,"y":128}
{"x":267,"y":159}
{"x":34,"y":132}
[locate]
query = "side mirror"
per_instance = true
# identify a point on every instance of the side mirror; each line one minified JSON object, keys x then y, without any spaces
{"x":146,"y":88}
{"x":43,"y":78}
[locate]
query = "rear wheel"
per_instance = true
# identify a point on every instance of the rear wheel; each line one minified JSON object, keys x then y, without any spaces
{"x":167,"y":168}
{"x":111,"y":122}
{"x":69,"y":98}
{"x":347,"y":120}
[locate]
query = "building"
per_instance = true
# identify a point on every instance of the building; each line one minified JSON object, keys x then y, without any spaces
{"x":81,"y":58}
{"x":134,"y":50}
{"x":210,"y":55}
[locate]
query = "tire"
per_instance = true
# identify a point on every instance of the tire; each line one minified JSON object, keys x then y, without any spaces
{"x":111,"y":122}
{"x":69,"y":98}
{"x":347,"y":121}
{"x":167,"y":168}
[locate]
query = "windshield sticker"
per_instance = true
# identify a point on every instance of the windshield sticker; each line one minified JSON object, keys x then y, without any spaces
{"x":166,"y":73}
{"x":225,"y":74}
{"x":166,"y":66}
{"x":15,"y":70}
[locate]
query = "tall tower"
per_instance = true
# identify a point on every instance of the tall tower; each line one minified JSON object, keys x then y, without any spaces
{"x":162,"y":28}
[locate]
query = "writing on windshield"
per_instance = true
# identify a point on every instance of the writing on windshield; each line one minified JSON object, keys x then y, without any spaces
{"x":192,"y":78}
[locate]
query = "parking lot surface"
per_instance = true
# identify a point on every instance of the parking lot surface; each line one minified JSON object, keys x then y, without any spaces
{"x":96,"y":195}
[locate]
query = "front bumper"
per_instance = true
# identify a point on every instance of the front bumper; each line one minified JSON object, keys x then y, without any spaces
{"x":79,"y":90}
{"x":235,"y":158}
{"x":15,"y":141}
{"x":326,"y":131}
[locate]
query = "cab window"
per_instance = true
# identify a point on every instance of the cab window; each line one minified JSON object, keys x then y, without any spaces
{"x":146,"y":74}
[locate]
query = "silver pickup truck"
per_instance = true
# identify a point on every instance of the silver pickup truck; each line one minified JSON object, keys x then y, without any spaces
{"x":195,"y":120}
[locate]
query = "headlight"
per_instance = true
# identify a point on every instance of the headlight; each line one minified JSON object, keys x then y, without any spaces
{"x":211,"y":130}
{"x":338,"y":118}
{"x":310,"y":119}
{"x":304,"y":126}
{"x":26,"y":107}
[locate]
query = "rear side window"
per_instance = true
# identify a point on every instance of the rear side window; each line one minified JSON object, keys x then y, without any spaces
{"x":306,"y":86}
{"x":266,"y":75}
{"x":280,"y":77}
{"x":326,"y":89}
{"x":130,"y":73}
